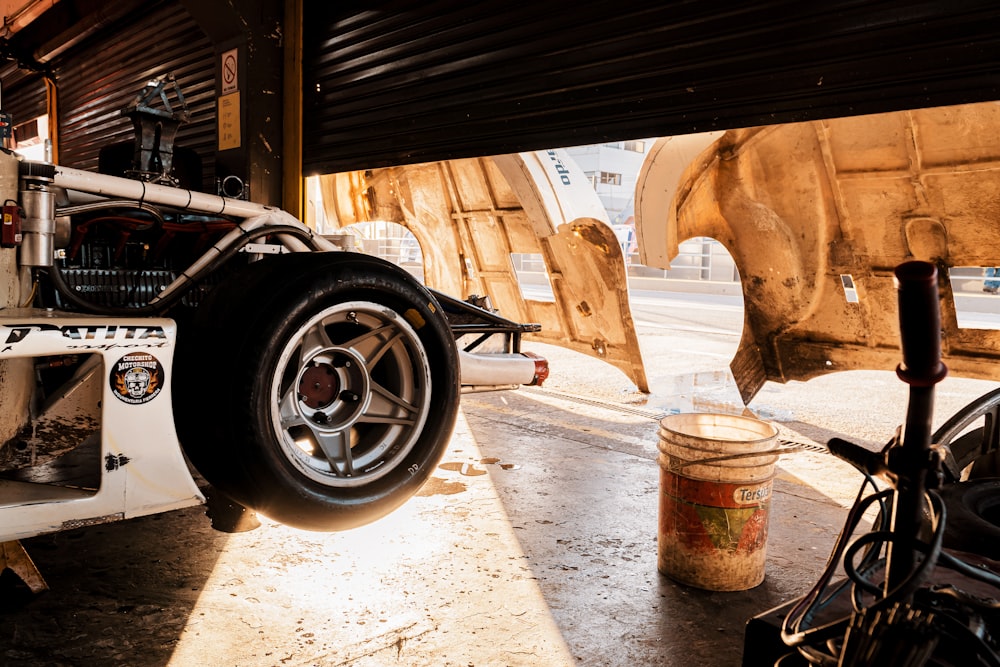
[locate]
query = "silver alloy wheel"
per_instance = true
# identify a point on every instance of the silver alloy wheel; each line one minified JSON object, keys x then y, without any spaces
{"x":350,"y":394}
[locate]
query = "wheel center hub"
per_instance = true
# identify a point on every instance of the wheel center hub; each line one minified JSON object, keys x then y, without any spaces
{"x":318,"y":386}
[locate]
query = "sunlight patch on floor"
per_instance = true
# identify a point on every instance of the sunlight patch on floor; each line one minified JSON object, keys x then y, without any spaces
{"x":441,"y":581}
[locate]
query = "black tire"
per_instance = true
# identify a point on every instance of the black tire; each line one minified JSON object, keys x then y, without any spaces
{"x":973,"y":517}
{"x":341,"y":388}
{"x":973,"y":434}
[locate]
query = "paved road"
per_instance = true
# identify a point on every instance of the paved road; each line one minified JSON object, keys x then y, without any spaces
{"x":680,"y":311}
{"x":687,"y":341}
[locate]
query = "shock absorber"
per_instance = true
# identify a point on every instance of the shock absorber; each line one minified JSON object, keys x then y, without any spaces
{"x":39,"y":203}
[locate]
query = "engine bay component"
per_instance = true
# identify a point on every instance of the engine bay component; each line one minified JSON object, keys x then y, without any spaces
{"x":39,"y":226}
{"x":155,"y":129}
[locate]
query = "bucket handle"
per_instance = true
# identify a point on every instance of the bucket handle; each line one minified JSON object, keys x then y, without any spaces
{"x":730,"y":457}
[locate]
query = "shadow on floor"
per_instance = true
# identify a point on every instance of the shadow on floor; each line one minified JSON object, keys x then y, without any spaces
{"x":581,"y":487}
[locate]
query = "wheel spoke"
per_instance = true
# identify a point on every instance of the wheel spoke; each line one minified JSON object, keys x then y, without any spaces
{"x":950,"y":464}
{"x":336,"y":448}
{"x":372,"y":345}
{"x":380,"y":419}
{"x":373,"y":359}
{"x":371,"y":418}
{"x":386,"y":407}
{"x":287,"y":412}
{"x":358,"y":341}
{"x":312,"y":342}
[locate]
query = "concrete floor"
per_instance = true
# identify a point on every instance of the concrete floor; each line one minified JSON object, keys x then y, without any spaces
{"x":533,"y":544}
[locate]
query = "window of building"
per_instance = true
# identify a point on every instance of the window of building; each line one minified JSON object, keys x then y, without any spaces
{"x":609,"y":178}
{"x":636,"y":146}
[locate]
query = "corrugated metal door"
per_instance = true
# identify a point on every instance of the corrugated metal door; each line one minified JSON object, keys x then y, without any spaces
{"x":393,"y":82}
{"x":103,"y":76}
{"x":23,"y":94}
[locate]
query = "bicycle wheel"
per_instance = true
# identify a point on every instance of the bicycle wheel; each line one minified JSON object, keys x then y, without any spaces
{"x":973,"y":434}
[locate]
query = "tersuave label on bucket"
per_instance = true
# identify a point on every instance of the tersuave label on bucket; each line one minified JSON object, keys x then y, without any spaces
{"x":752,"y":495}
{"x":713,"y":534}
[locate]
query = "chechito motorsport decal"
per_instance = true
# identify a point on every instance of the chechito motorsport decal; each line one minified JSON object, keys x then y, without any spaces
{"x":136,"y":378}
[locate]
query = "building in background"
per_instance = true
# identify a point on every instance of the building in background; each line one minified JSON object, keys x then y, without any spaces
{"x":613,"y":169}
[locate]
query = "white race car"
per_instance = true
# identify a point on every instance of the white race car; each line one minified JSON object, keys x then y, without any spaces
{"x":317,"y":386}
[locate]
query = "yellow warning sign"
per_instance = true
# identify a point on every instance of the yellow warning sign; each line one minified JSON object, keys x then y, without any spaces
{"x":229,"y":121}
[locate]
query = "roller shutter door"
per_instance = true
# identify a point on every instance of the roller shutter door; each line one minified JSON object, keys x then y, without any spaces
{"x":23,"y":95}
{"x":391,"y":83}
{"x":103,"y":75}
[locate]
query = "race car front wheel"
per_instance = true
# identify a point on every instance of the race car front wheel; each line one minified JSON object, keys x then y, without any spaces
{"x":332,"y":384}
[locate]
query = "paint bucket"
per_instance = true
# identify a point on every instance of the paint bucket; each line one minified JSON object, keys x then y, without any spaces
{"x":716,"y":476}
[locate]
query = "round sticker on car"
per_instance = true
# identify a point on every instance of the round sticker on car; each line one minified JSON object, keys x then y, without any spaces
{"x":136,"y":378}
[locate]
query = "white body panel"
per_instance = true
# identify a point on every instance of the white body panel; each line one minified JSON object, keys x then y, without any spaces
{"x":142,"y":468}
